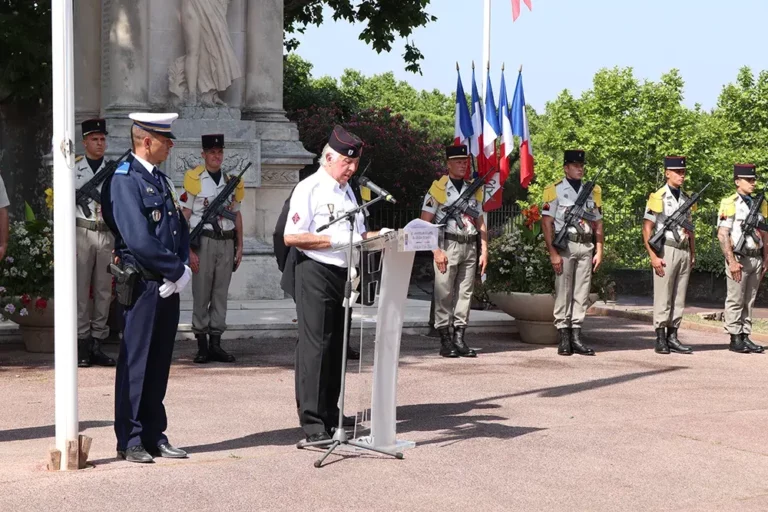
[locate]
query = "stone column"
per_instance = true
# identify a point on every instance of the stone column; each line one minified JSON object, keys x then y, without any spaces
{"x":264,"y":61}
{"x":87,"y":50}
{"x":125,"y":57}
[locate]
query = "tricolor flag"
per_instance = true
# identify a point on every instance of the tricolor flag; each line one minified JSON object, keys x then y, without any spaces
{"x":520,"y":128}
{"x":516,"y":8}
{"x":507,"y":136}
{"x":491,"y":132}
{"x":476,"y":140}
{"x":462,"y":127}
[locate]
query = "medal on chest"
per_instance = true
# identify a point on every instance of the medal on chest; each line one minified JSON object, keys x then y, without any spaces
{"x":205,"y":202}
{"x":331,"y":207}
{"x":156,"y":215}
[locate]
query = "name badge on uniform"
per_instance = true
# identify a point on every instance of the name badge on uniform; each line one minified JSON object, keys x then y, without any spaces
{"x":156,"y":215}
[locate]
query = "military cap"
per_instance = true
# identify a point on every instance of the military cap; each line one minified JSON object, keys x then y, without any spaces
{"x":155,"y":123}
{"x":575,"y":156}
{"x":345,"y":143}
{"x":94,"y":125}
{"x":456,"y":151}
{"x":744,"y":171}
{"x":674,"y":162}
{"x":213,"y":141}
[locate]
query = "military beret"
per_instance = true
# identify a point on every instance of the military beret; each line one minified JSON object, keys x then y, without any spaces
{"x":456,"y":151}
{"x":345,"y":143}
{"x":674,"y":162}
{"x":574,"y":156}
{"x":744,"y":171}
{"x":94,"y":125}
{"x":213,"y":141}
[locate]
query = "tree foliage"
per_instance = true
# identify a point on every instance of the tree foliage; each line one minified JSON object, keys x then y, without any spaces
{"x":25,"y":59}
{"x":384,"y":19}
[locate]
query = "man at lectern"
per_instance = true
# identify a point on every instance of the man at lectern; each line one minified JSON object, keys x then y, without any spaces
{"x":320,"y":274}
{"x":456,"y":260}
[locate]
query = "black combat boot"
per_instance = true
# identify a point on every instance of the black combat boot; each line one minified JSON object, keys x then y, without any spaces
{"x":737,"y":344}
{"x":564,"y":348}
{"x":202,"y":348}
{"x":750,"y":344}
{"x":661,"y":341}
{"x":84,"y":352}
{"x":216,"y":353}
{"x":674,"y":344}
{"x":98,"y":357}
{"x":577,"y":345}
{"x":447,"y":348}
{"x":458,"y":341}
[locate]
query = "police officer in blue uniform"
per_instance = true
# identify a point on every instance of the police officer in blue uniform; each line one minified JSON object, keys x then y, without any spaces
{"x":151,"y":250}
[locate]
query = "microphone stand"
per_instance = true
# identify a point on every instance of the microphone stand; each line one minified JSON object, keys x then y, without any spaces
{"x":340,"y":436}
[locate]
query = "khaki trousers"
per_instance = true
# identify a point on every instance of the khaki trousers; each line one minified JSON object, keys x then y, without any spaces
{"x":572,"y":286}
{"x":453,"y":290}
{"x":210,"y":286}
{"x":741,"y":296}
{"x":94,"y":253}
{"x":669,"y":291}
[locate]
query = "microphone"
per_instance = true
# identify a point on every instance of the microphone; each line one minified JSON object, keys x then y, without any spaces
{"x":365,"y":182}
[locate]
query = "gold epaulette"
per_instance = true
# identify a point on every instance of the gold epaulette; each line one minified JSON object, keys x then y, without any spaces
{"x":550,"y":192}
{"x":239,"y":190}
{"x":478,"y":194}
{"x":728,"y":206}
{"x":655,"y":200}
{"x":597,"y":195}
{"x":192,"y":180}
{"x":78,"y":158}
{"x":437,"y":190}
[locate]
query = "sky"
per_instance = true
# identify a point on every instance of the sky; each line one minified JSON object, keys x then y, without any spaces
{"x":561,"y":44}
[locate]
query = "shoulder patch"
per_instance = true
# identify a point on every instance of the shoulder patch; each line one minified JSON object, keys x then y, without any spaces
{"x":123,"y":168}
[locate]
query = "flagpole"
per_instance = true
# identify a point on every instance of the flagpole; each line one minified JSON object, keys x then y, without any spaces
{"x":65,"y":299}
{"x":486,"y":43}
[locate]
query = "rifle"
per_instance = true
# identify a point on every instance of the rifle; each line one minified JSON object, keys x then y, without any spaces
{"x":215,"y":209}
{"x":461,"y":205}
{"x":750,"y":224}
{"x":677,"y":220}
{"x":575,"y":213}
{"x":87,"y":193}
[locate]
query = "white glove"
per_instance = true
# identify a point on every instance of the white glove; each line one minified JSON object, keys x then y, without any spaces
{"x":184,"y":279}
{"x":341,"y":238}
{"x":384,"y":231}
{"x":167,"y":288}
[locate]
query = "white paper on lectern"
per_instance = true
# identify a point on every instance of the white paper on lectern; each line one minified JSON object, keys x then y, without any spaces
{"x":420,"y":235}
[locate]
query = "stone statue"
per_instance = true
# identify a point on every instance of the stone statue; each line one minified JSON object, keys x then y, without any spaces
{"x":210,"y":64}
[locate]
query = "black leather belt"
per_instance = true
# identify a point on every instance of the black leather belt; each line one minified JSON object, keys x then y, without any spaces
{"x":579,"y":238}
{"x":224,"y":235}
{"x":462,"y":239}
{"x":753,"y":253}
{"x":148,"y":275}
{"x":93,"y":225}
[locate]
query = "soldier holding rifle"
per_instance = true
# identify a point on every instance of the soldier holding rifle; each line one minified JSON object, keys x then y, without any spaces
{"x":456,"y":203}
{"x":672,"y":250}
{"x":572,"y":217}
{"x":211,"y":204}
{"x":743,"y":240}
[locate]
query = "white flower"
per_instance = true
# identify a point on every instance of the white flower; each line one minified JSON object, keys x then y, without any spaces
{"x":10,"y":308}
{"x":23,"y":312}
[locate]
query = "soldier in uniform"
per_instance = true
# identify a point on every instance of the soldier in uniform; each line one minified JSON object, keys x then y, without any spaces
{"x":574,"y":266}
{"x":456,"y":261}
{"x":94,"y":252}
{"x":218,"y":255}
{"x":673,"y":267}
{"x":151,"y":248}
{"x":744,"y":272}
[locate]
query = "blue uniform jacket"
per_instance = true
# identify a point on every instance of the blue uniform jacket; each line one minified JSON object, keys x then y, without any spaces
{"x":151,"y":229}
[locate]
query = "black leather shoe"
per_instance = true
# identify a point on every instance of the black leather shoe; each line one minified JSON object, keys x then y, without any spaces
{"x":576,"y":344}
{"x":674,"y":344}
{"x":447,"y":348}
{"x":352,"y":353}
{"x":320,"y":436}
{"x":737,"y":344}
{"x":216,"y":353}
{"x":135,"y":454}
{"x":564,"y":348}
{"x":98,"y":357}
{"x":458,"y":341}
{"x":84,"y":352}
{"x":202,"y":349}
{"x":661,"y":342}
{"x":169,"y":452}
{"x":751,"y":345}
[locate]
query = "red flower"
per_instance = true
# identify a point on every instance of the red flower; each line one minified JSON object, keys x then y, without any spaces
{"x":41,"y":303}
{"x":26,"y":299}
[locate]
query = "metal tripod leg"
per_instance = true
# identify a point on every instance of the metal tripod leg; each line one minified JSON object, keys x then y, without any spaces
{"x":340,"y":437}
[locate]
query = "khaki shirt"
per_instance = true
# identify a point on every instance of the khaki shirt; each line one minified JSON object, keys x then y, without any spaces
{"x":733,"y":211}
{"x":83,"y":175}
{"x":198,"y":203}
{"x":559,"y":196}
{"x":662,"y":204}
{"x":443,"y":194}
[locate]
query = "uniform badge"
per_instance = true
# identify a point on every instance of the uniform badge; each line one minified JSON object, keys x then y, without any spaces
{"x":566,"y":196}
{"x":650,"y":212}
{"x":331,"y":207}
{"x":431,"y":202}
{"x":184,"y":197}
{"x":449,"y":194}
{"x":150,"y":190}
{"x":545,"y":207}
{"x":156,"y":215}
{"x":205,"y":203}
{"x":295,"y":218}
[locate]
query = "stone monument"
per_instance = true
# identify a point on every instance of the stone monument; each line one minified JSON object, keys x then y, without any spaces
{"x":219,"y":64}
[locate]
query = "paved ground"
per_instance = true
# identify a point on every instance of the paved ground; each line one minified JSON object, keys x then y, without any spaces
{"x":518,"y":428}
{"x":645,"y":304}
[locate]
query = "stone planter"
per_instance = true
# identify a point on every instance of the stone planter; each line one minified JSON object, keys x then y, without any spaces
{"x":37,"y":329}
{"x":533,"y":314}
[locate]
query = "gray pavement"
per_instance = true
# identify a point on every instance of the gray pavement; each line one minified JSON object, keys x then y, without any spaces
{"x":518,"y":428}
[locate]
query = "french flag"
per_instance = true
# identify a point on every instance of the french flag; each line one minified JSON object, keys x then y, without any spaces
{"x":462,"y":127}
{"x":520,"y":129}
{"x":507,"y":136}
{"x":476,"y":140}
{"x":516,"y":8}
{"x":491,"y":132}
